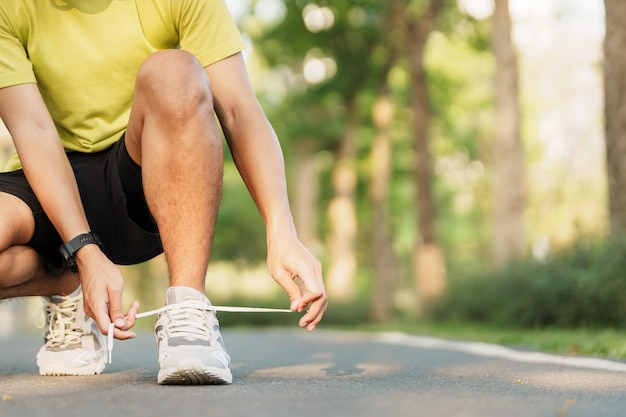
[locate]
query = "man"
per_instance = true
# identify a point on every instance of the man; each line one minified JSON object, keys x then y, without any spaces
{"x":110,"y":104}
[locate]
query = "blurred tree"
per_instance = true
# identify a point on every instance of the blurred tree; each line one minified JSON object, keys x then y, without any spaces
{"x":381,"y":161}
{"x":460,"y":69}
{"x":383,"y":257}
{"x":508,"y":159}
{"x":346,"y":85}
{"x":430,"y":268}
{"x":342,"y":217}
{"x":305,"y":191}
{"x":324,"y":46}
{"x":615,"y":111}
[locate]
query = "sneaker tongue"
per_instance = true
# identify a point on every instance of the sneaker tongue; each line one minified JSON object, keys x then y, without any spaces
{"x":57,"y":298}
{"x":61,"y":298}
{"x":180,"y":294}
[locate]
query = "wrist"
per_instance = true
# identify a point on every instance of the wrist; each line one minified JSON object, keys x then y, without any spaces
{"x":70,"y":248}
{"x":280,"y":229}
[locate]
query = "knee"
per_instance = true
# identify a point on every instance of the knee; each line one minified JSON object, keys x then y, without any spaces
{"x":174,"y":81}
{"x":17,"y":223}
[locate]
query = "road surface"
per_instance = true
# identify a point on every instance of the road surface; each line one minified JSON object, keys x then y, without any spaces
{"x":289,"y":373}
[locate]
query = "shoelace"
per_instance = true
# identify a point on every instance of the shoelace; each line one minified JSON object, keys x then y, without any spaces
{"x":191,"y":325}
{"x":58,"y":315}
{"x":188,"y":322}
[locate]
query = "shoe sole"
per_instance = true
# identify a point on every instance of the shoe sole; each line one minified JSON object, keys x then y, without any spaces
{"x":57,"y":369}
{"x":190,"y":371}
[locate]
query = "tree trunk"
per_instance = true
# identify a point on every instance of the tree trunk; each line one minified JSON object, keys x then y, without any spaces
{"x":385,"y":274}
{"x":615,"y":111}
{"x":430,"y":270}
{"x":341,"y":275}
{"x":305,"y":191}
{"x":508,"y":234}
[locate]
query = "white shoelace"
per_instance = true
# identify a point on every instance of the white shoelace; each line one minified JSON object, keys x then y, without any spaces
{"x":191,"y":304}
{"x":57,"y":315}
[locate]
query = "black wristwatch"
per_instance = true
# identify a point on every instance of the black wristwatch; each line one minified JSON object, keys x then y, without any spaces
{"x":68,"y":249}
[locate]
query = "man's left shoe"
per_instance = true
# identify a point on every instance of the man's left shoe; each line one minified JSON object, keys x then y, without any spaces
{"x":191,"y":349}
{"x":73,"y":342}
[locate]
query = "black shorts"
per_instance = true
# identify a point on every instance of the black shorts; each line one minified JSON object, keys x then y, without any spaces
{"x":112,"y":194}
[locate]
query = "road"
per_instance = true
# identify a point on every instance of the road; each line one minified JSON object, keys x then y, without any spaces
{"x":289,"y":373}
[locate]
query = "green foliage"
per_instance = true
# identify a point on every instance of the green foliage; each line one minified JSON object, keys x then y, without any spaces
{"x":239,"y":232}
{"x":582,"y":285}
{"x":460,"y":69}
{"x":362,"y":46}
{"x":460,"y":80}
{"x":353,"y":43}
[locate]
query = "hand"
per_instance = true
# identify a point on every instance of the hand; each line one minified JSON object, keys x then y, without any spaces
{"x":287,"y":260}
{"x":103,"y":284}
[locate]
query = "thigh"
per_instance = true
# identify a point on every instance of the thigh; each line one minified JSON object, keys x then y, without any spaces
{"x":22,"y":219}
{"x":103,"y":189}
{"x":132,"y":186}
{"x":110,"y":187}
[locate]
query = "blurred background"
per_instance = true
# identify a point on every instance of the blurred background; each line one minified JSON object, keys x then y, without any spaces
{"x":446,"y":160}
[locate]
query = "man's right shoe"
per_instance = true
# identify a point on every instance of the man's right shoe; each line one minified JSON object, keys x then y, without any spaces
{"x":191,"y":349}
{"x":73,"y":343}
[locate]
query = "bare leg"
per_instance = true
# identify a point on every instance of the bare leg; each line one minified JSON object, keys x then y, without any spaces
{"x":27,"y":277}
{"x":174,"y":136}
{"x":21,"y":271}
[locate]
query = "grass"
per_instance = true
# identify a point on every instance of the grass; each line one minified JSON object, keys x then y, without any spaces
{"x":605,"y":343}
{"x":583,"y":341}
{"x":597,"y":342}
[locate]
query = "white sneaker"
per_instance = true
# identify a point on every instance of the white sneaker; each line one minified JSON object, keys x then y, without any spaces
{"x":74,"y":344}
{"x":191,"y":349}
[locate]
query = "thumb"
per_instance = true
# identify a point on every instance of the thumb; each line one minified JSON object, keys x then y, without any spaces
{"x":287,"y":283}
{"x":116,"y":309}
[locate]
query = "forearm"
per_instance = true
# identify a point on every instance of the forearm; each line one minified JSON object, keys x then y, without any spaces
{"x":48,"y":171}
{"x":43,"y":158}
{"x":259,"y":159}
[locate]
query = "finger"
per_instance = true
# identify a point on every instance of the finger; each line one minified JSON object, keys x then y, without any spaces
{"x":116,"y":309}
{"x":101,"y":315}
{"x":316,"y":303}
{"x":131,"y":316}
{"x":124,"y":334}
{"x":313,"y":284}
{"x":314,"y":315}
{"x":120,"y":334}
{"x":311,"y":296}
{"x":287,"y":283}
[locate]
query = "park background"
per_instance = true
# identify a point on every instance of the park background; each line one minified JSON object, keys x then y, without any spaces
{"x":448,"y":162}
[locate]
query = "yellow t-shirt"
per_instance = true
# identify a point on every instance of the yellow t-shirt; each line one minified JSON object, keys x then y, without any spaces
{"x":84,"y":55}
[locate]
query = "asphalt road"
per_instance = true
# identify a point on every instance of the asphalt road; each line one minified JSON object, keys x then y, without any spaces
{"x":289,"y":373}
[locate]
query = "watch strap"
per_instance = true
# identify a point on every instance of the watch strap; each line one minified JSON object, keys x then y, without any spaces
{"x":69,"y":249}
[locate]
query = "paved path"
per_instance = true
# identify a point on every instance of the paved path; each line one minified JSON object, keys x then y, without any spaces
{"x":288,"y":373}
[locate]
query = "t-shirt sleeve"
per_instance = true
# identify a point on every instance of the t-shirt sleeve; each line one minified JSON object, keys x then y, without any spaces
{"x":15,"y":67}
{"x":207,"y":29}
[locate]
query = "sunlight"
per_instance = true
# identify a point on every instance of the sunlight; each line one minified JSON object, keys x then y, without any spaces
{"x":270,"y":11}
{"x":237,"y":7}
{"x":478,"y":9}
{"x":317,"y":19}
{"x":318,"y":68}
